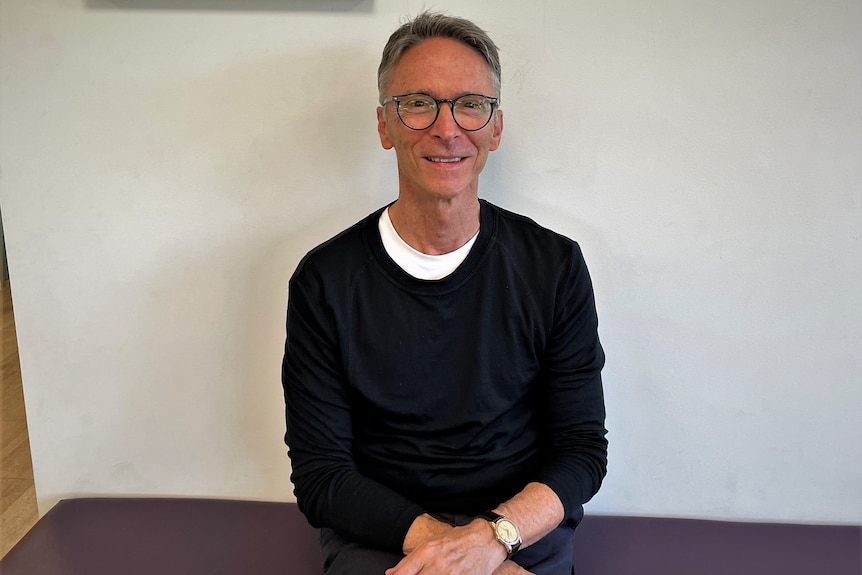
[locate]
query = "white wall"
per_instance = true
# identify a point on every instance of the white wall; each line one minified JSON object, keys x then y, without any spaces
{"x":164,"y":170}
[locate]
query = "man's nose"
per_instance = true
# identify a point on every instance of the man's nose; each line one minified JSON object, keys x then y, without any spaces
{"x":445,"y":125}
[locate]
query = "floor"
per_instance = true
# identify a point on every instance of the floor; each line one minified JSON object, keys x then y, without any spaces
{"x":17,"y":494}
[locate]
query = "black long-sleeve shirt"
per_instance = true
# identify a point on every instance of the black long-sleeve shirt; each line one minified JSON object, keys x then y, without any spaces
{"x":406,"y":395}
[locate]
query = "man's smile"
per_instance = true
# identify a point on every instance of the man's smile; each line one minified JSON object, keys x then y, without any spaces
{"x":444,"y":160}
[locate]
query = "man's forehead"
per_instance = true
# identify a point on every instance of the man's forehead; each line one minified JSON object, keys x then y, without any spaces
{"x":440,"y":44}
{"x":435,"y":61}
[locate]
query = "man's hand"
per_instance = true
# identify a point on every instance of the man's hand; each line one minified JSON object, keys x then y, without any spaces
{"x":436,"y":548}
{"x":468,"y":550}
{"x":511,"y":568}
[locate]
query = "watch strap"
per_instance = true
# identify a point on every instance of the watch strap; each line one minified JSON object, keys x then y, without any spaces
{"x":490,"y":516}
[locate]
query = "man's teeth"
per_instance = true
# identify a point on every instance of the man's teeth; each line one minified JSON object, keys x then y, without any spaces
{"x":446,"y":160}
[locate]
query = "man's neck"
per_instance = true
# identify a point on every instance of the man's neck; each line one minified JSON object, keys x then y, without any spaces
{"x":436,"y":227}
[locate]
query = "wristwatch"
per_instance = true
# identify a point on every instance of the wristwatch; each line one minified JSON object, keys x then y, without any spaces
{"x":505,"y":532}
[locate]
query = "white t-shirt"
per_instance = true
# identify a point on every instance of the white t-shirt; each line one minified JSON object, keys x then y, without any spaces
{"x":414,"y":262}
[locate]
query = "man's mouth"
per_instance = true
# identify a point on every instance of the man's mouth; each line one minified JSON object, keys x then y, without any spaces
{"x":444,"y":160}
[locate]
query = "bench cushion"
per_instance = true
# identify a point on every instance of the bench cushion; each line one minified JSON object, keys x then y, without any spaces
{"x":216,"y":537}
{"x":167,"y":536}
{"x":640,"y":545}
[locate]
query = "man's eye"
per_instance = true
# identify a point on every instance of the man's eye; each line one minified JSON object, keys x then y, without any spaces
{"x":472,"y":104}
{"x":417,"y":104}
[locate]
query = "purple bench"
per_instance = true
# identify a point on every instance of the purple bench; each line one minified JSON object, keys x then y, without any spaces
{"x":215,"y":537}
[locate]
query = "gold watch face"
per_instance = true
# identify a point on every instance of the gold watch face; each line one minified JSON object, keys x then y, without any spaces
{"x":507,"y":531}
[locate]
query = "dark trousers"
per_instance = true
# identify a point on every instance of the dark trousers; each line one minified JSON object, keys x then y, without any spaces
{"x":552,"y":555}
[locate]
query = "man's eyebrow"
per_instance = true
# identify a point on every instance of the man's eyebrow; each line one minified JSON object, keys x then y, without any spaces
{"x":421,"y":91}
{"x":431,"y":93}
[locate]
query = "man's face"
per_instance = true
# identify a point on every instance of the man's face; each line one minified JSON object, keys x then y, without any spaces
{"x":443,"y":161}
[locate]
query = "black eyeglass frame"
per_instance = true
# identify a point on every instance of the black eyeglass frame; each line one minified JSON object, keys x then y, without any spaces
{"x":451,"y":101}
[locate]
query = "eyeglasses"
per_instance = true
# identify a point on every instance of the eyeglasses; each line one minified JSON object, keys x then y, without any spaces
{"x":471,"y":112}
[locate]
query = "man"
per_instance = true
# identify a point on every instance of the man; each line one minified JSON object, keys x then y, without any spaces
{"x":442,"y":367}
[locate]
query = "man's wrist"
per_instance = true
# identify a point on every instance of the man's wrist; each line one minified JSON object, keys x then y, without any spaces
{"x":483,"y":534}
{"x":424,"y":527}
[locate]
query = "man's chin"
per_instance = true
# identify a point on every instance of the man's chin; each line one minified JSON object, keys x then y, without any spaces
{"x":453,"y":194}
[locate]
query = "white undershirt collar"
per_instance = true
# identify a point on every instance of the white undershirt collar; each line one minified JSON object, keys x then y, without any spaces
{"x":414,"y":262}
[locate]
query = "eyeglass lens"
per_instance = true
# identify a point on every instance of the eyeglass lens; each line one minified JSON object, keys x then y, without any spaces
{"x":419,"y":111}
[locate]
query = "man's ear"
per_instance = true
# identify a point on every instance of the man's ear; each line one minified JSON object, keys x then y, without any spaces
{"x":381,"y":130}
{"x":498,"y":131}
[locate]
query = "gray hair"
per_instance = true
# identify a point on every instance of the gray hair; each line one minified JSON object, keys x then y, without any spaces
{"x":434,"y":25}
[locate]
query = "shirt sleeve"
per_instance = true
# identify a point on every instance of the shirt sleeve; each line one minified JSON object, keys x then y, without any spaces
{"x":329,"y":489}
{"x":574,"y":450}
